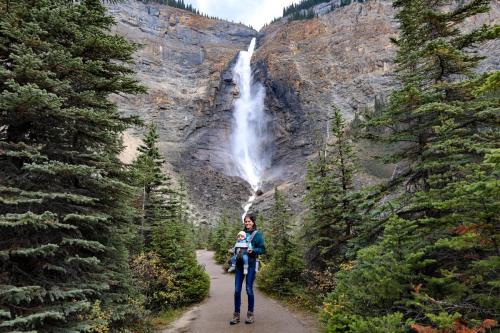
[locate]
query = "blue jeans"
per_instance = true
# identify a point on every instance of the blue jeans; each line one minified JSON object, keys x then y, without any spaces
{"x":238,"y":283}
{"x":244,"y":257}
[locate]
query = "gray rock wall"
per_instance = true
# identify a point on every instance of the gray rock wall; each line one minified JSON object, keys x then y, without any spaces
{"x":183,"y":60}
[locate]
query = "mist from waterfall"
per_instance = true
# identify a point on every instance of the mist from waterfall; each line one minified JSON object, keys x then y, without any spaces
{"x":250,"y":134}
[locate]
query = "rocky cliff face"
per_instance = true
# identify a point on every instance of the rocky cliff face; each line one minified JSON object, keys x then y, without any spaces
{"x":182,"y":59}
{"x":343,"y":57}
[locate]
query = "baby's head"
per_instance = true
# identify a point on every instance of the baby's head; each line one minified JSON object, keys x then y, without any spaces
{"x":241,"y":235}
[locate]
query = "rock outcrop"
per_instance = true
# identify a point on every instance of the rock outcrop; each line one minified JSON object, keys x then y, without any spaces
{"x":181,"y":60}
{"x":343,"y":57}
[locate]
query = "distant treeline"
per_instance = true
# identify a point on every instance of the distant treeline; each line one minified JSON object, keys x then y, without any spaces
{"x":302,"y":15}
{"x":303,"y":5}
{"x":304,"y":9}
{"x":348,"y":2}
{"x":175,"y":3}
{"x":182,"y":5}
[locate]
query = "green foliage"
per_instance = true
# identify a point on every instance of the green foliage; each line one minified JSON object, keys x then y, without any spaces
{"x":221,"y":231}
{"x":203,"y":234}
{"x":149,"y":162}
{"x":302,"y":5}
{"x":176,"y":278}
{"x":156,"y":281}
{"x":174,"y":247}
{"x":332,"y":201}
{"x":65,"y":211}
{"x":435,"y":261}
{"x":153,"y":185}
{"x":302,"y":15}
{"x":224,"y":237}
{"x":304,"y":9}
{"x":339,"y":322}
{"x":181,"y":5}
{"x":175,"y":3}
{"x":168,"y":274}
{"x":282,"y":274}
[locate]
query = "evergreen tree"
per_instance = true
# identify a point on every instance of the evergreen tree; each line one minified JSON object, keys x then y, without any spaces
{"x":175,"y":278}
{"x":163,"y":206}
{"x":221,"y":235}
{"x":224,"y":237}
{"x":65,"y":208}
{"x":303,"y":5}
{"x":332,"y":201}
{"x":282,"y":275}
{"x":436,"y":266}
{"x":203,"y":236}
{"x":210,"y":237}
{"x":181,"y":5}
{"x":173,"y":242}
{"x":150,"y":154}
{"x":304,"y":9}
{"x":302,"y":15}
{"x":182,"y":206}
{"x":147,"y":174}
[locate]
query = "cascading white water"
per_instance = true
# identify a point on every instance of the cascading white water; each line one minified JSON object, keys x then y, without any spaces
{"x":249,"y":134}
{"x":247,"y":206}
{"x":249,"y":138}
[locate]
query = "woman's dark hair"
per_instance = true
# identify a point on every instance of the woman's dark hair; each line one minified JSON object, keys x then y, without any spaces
{"x":252,"y":218}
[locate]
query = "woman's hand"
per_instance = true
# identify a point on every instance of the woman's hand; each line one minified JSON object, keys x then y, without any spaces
{"x":249,"y":250}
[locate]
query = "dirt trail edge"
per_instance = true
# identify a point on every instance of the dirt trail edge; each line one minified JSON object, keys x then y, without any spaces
{"x":213,"y":314}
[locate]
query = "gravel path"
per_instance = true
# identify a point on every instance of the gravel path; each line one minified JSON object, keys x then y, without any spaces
{"x":213,"y":315}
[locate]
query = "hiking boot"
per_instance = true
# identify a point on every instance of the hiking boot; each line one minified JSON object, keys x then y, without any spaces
{"x":236,"y":319}
{"x":250,"y":319}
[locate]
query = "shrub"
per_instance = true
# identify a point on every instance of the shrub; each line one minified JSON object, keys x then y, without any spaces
{"x":155,"y":281}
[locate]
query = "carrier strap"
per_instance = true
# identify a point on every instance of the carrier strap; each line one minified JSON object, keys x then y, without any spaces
{"x":252,"y":235}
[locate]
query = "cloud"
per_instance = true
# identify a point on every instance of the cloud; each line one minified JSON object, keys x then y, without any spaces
{"x":250,"y":12}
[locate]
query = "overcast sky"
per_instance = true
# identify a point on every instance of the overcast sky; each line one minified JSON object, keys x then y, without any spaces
{"x":250,"y":12}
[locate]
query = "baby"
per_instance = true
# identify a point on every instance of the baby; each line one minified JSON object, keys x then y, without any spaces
{"x":240,"y":251}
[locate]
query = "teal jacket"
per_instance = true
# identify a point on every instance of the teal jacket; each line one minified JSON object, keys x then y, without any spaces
{"x":258,"y":247}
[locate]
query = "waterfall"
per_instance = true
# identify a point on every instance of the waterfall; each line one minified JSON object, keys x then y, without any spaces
{"x":250,"y":136}
{"x":247,"y":206}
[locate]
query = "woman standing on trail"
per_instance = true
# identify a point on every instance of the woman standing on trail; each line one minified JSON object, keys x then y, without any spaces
{"x":257,"y":241}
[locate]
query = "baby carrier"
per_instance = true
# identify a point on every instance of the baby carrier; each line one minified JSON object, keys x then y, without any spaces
{"x":241,"y":250}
